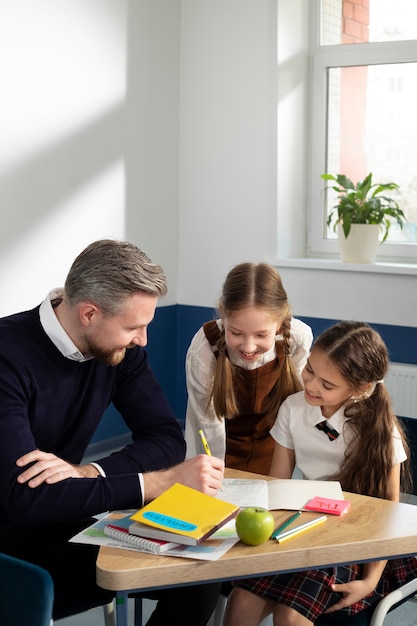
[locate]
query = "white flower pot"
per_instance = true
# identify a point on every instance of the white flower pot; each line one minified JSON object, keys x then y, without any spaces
{"x":361,"y":245}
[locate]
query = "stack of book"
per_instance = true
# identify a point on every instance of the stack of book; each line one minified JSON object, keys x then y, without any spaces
{"x":182,"y":514}
{"x":180,"y":517}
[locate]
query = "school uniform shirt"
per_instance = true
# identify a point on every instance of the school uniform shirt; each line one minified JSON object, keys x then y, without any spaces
{"x":317,"y":457}
{"x":200,"y":366}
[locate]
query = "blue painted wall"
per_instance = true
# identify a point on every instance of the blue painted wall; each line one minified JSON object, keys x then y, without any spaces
{"x":172,"y":330}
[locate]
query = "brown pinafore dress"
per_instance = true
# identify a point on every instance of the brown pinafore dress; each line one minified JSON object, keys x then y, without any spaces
{"x":249,"y":446}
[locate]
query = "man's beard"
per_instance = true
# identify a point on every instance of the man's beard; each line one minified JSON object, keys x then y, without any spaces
{"x":108,"y":357}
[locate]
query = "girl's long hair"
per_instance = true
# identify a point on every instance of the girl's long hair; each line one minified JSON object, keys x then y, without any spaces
{"x":361,"y":356}
{"x":258,"y":285}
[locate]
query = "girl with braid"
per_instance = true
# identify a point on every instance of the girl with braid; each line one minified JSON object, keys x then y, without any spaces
{"x":340,"y":427}
{"x":242,"y":366}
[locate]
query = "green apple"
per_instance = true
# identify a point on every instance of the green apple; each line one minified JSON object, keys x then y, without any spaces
{"x":254,"y":525}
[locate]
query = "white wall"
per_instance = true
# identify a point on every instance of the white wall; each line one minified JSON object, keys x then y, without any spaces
{"x":227,"y":141}
{"x":63,"y":85}
{"x":292,"y":135}
{"x":244,"y":73}
{"x":151,"y":133}
{"x":243,"y":154}
{"x":369,"y":296}
{"x":88,"y":136}
{"x":177,"y":124}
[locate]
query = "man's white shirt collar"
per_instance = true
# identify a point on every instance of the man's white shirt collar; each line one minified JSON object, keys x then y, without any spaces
{"x":55,"y":331}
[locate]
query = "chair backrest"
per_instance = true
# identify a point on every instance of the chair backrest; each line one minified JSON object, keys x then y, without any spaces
{"x":26,"y":593}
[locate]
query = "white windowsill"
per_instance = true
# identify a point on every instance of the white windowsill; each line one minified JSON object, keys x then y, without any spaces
{"x":337,"y":265}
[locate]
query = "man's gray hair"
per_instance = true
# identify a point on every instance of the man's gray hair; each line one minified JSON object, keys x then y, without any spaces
{"x":108,"y":272}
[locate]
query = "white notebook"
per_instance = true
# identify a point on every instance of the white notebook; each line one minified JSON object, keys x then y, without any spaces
{"x":291,"y":494}
{"x":140,"y":543}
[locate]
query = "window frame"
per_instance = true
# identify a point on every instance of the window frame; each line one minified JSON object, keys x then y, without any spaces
{"x":321,"y":59}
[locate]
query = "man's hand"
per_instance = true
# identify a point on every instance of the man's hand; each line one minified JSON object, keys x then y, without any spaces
{"x":50,"y":469}
{"x":202,"y":472}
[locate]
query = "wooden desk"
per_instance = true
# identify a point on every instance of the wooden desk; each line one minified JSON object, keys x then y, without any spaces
{"x":373,"y":529}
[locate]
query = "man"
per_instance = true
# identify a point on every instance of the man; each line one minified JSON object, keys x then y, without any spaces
{"x":61,"y":365}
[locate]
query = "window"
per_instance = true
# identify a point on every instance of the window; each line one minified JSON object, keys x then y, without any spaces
{"x":363,"y":114}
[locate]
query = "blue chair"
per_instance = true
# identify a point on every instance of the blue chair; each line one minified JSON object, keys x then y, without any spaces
{"x":26,"y":593}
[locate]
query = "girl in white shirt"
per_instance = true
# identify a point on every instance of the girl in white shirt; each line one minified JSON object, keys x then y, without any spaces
{"x":242,"y":366}
{"x":364,"y":448}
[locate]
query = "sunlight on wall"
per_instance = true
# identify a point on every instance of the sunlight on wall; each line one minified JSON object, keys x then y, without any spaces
{"x":63,"y":85}
{"x":46,"y":251}
{"x":62,"y":64}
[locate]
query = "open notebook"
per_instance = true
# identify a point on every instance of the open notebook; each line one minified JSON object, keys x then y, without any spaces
{"x":291,"y":494}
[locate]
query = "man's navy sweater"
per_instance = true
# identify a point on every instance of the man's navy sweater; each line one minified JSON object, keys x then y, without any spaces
{"x":55,"y":404}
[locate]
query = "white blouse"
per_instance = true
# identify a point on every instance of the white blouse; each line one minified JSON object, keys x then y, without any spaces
{"x":200,"y":365}
{"x":316,"y":456}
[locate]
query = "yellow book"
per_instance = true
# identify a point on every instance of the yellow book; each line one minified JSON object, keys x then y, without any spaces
{"x":182,"y":514}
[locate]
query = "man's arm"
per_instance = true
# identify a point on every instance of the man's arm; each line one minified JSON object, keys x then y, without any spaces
{"x":49,"y":468}
{"x":157,"y":438}
{"x":49,"y":409}
{"x":35,"y":420}
{"x":202,"y":472}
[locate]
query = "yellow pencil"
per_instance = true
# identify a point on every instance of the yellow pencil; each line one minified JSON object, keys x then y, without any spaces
{"x":300,"y":529}
{"x":204,"y":442}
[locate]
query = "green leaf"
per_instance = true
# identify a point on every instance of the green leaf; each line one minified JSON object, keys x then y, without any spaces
{"x":363,"y":203}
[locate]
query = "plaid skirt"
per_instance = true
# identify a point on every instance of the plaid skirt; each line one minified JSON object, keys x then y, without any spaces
{"x":310,"y":594}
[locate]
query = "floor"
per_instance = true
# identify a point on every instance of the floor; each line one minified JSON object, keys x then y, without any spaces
{"x":95,"y":616}
{"x":405,"y":615}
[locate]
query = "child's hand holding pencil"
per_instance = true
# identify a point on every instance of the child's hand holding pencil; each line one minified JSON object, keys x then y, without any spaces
{"x":204,"y":442}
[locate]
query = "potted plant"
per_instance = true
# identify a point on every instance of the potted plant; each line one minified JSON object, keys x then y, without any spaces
{"x":362,"y":204}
